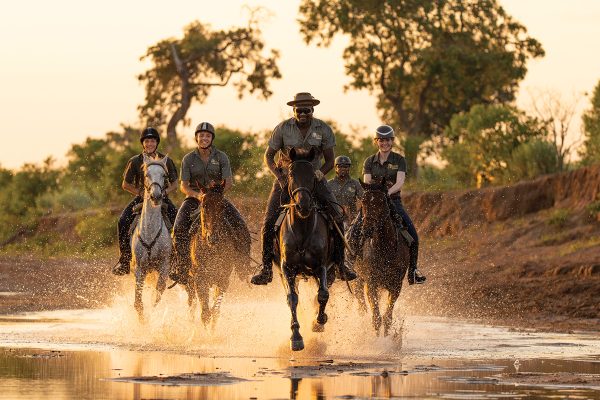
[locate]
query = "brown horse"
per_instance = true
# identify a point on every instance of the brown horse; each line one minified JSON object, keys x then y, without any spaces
{"x":305,"y":247}
{"x":384,"y":259}
{"x":221,"y":246}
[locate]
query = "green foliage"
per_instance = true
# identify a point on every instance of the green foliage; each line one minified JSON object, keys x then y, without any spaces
{"x":483,"y":140}
{"x":593,"y":209}
{"x":559,"y":217}
{"x":433,"y":179}
{"x":531,"y":159}
{"x":184,"y":70}
{"x":70,"y":198}
{"x":96,"y":230}
{"x":591,"y":126}
{"x":426,"y":60}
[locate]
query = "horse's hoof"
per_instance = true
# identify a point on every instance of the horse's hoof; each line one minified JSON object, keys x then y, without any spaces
{"x":318,"y":327}
{"x":297,"y":345}
{"x":322,"y":319}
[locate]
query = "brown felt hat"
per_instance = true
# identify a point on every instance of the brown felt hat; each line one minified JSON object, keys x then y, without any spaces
{"x":303,"y":99}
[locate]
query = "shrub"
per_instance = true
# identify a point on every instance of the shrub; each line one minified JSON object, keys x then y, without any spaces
{"x":531,"y":159}
{"x":97,"y":230}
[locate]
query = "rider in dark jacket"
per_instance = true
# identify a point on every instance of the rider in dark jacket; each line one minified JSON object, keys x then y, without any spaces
{"x":391,"y":166}
{"x":133,"y":182}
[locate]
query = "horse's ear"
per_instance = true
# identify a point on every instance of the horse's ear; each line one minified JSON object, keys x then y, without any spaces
{"x":292,"y":154}
{"x":383,"y":184}
{"x":222,"y":184}
{"x":164,"y":160}
{"x":311,"y":154}
{"x":146,"y":158}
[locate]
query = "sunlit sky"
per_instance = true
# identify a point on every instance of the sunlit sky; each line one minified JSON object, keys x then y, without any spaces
{"x":69,"y":67}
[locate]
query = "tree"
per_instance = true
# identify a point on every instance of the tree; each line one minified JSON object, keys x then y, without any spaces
{"x":484,"y":139}
{"x":557,"y":115}
{"x":184,"y":70}
{"x":591,"y":129}
{"x":426,"y":60}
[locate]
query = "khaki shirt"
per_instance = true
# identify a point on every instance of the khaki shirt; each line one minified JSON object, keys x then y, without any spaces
{"x":388,"y":170}
{"x":287,"y":135}
{"x":197,"y":172}
{"x":134,"y":173}
{"x":346,"y":192}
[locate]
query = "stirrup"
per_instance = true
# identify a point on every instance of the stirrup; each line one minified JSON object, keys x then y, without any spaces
{"x":415,"y":277}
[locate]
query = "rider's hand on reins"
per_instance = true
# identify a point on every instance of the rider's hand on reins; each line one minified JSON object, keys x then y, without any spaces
{"x":319,"y":174}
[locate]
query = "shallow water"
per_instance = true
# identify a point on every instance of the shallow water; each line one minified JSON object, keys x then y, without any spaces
{"x":108,"y":354}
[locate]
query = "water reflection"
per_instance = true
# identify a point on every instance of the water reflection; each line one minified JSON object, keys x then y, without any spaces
{"x":42,"y":374}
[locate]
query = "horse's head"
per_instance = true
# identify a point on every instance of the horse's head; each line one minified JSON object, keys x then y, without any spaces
{"x":301,"y":181}
{"x":374,"y":206}
{"x":212,"y":211}
{"x":155,"y":178}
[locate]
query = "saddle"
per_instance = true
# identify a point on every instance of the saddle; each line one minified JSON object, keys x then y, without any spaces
{"x":137,"y":211}
{"x":283,"y":213}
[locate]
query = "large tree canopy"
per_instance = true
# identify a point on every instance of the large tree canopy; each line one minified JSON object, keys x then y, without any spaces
{"x":426,"y":60}
{"x":184,"y":70}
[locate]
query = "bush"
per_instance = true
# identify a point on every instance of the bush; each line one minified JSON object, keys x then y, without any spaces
{"x":97,"y":230}
{"x":68,"y":199}
{"x":531,"y":159}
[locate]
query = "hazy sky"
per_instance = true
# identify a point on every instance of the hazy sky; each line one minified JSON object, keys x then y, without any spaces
{"x":69,"y":67}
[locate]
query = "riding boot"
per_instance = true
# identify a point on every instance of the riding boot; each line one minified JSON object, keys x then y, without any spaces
{"x":265,"y":275}
{"x":414,"y":275}
{"x":182,"y":261}
{"x":123,"y":267}
{"x":344,"y":270}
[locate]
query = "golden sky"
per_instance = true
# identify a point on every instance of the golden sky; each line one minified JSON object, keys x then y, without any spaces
{"x":69,"y":67}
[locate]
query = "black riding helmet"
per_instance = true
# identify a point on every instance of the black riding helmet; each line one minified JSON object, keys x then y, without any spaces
{"x":205,"y":126}
{"x":150,"y":133}
{"x":384,"y":132}
{"x":343,"y":161}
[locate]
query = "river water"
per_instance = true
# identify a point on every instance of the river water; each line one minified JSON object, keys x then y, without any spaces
{"x":107,"y":354}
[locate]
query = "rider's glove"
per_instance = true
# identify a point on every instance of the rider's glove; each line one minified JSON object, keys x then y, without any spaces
{"x":320,"y":175}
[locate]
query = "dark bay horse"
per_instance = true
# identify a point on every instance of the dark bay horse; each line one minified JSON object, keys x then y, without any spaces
{"x":384,"y":259}
{"x":221,"y":246}
{"x":305,"y":246}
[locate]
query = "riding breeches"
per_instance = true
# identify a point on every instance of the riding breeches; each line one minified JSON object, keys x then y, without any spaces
{"x":126,"y":219}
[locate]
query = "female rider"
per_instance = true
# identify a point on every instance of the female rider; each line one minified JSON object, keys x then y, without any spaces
{"x":392,"y":166}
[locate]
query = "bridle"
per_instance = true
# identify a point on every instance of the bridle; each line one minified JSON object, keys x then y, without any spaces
{"x":147,"y":188}
{"x":309,"y":192}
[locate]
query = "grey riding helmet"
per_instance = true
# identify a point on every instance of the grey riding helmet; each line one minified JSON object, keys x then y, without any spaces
{"x":150,"y":133}
{"x":343,"y":161}
{"x":206,"y":127}
{"x":384,"y":132}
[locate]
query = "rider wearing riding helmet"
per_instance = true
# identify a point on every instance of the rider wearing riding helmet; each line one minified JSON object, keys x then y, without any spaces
{"x":391,"y":166}
{"x":133,"y":182}
{"x":199,"y":168}
{"x":305,"y":132}
{"x":346,"y":189}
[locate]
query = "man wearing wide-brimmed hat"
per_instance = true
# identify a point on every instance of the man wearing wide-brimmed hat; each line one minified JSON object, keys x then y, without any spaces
{"x":302,"y":131}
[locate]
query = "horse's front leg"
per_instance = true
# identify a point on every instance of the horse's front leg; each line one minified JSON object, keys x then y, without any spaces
{"x":140,"y":276}
{"x":387,"y":316}
{"x":374,"y":303}
{"x":203,"y":293}
{"x":296,"y":341}
{"x":163,"y":274}
{"x":322,"y":299}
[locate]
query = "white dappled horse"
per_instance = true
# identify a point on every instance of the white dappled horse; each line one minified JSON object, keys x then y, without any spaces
{"x":151,"y":240}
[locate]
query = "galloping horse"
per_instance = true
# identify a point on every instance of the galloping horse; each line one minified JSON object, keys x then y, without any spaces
{"x":385,"y":258}
{"x":221,"y":246}
{"x":151,"y":241}
{"x":305,"y":246}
